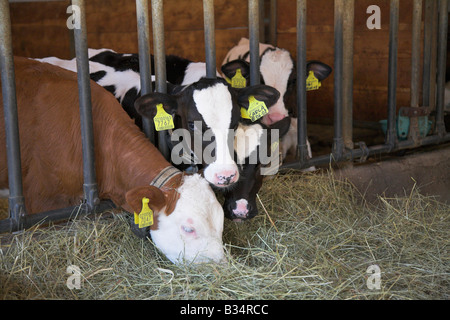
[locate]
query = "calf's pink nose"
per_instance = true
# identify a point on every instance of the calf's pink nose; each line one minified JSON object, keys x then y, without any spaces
{"x":271,"y":118}
{"x":226,"y":177}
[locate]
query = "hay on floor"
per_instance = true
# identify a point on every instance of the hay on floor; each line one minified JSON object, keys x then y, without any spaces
{"x":314,"y":239}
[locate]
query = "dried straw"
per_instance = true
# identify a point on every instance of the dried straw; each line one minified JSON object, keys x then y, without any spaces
{"x":314,"y":239}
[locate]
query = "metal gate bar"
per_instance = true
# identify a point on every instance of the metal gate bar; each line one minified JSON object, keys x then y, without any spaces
{"x":391,"y":143}
{"x":16,"y":199}
{"x":144,"y":61}
{"x":253,"y":26}
{"x":302,"y":148}
{"x":210,"y":42}
{"x":84,"y":92}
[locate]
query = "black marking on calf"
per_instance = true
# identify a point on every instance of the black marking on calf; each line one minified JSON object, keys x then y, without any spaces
{"x":118,"y":61}
{"x":97,"y":76}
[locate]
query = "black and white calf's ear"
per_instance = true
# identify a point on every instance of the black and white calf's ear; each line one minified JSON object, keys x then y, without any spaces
{"x":146,"y":105}
{"x":229,"y":69}
{"x":261,"y":92}
{"x":283,"y":126}
{"x":320,"y":69}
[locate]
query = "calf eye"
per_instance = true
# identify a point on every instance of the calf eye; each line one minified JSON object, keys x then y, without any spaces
{"x":191,"y":125}
{"x":188,"y":229}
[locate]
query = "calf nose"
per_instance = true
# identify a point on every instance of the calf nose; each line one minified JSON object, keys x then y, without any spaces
{"x":242,"y":209}
{"x":271,"y":118}
{"x":226,"y":178}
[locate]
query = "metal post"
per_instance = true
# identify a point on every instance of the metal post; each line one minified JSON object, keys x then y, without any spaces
{"x":16,"y":199}
{"x":210,"y":42}
{"x":347,"y":74}
{"x":442,"y":58}
{"x":273,"y":22}
{"x":338,"y":144}
{"x":415,"y":67}
{"x":84,"y":93}
{"x":391,"y":133}
{"x":253,"y":25}
{"x":144,"y":61}
{"x":302,"y":149}
{"x":160,"y":64}
{"x":427,"y":41}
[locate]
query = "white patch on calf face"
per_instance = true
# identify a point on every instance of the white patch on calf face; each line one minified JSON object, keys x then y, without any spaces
{"x":215,"y":105}
{"x":276,"y":66}
{"x":193,"y":231}
{"x":246,"y":140}
{"x":123,"y":81}
{"x":194,"y":72}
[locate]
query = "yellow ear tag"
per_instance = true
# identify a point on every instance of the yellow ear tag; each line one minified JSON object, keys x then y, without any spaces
{"x":238,"y":81}
{"x":145,"y":217}
{"x":244,"y":114}
{"x":162,"y":120}
{"x":257,"y":109}
{"x":312,"y":83}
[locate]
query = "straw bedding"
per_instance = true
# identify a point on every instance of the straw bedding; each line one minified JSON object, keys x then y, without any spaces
{"x":314,"y":239}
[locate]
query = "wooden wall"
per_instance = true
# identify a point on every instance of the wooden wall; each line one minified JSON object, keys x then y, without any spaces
{"x":39,"y":30}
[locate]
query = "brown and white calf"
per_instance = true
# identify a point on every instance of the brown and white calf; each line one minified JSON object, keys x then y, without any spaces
{"x":188,"y":218}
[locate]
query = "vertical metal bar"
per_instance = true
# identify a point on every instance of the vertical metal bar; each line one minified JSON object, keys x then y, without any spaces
{"x":210,"y":42}
{"x":84,"y":93}
{"x":302,"y":149}
{"x":338,"y":144}
{"x":273,"y":22}
{"x":262,"y":23}
{"x":415,"y":52}
{"x":391,"y":133}
{"x":433,"y":57}
{"x":144,"y":60}
{"x":415,"y":67}
{"x":427,"y":40}
{"x":347,"y":74}
{"x":253,"y":25}
{"x":441,"y":62}
{"x":160,"y":64}
{"x":16,"y":199}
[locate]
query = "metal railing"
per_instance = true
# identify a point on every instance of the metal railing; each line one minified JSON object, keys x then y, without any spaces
{"x":342,"y":143}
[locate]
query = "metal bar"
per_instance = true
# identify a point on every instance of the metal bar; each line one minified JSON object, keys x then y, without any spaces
{"x":16,"y":199}
{"x":370,"y":151}
{"x":253,"y":25}
{"x":273,"y":22}
{"x":144,"y":61}
{"x":262,"y":24}
{"x":84,"y":93}
{"x":434,"y":45}
{"x":338,"y":143}
{"x":391,"y":132}
{"x":210,"y":42}
{"x":302,"y":148}
{"x":415,"y":67}
{"x":160,"y":64}
{"x":441,"y":63}
{"x":427,"y":41}
{"x":57,"y":215}
{"x":347,"y":74}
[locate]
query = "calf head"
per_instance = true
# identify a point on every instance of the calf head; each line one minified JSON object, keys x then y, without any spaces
{"x":188,"y":220}
{"x":210,"y":109}
{"x":252,"y":142}
{"x":278,"y":70}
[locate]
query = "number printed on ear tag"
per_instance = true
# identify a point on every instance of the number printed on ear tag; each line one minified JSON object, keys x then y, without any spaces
{"x":163,"y":120}
{"x":145,"y":217}
{"x":238,"y":81}
{"x":257,"y":109}
{"x":312,"y":83}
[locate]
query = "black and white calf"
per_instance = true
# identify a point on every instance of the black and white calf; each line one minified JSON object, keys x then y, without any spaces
{"x":277,"y":70}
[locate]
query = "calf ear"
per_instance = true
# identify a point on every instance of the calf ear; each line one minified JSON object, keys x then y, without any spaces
{"x":146,"y":105}
{"x":261,"y":92}
{"x":320,"y":69}
{"x":155,"y":195}
{"x":229,"y":69}
{"x":282,"y":125}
